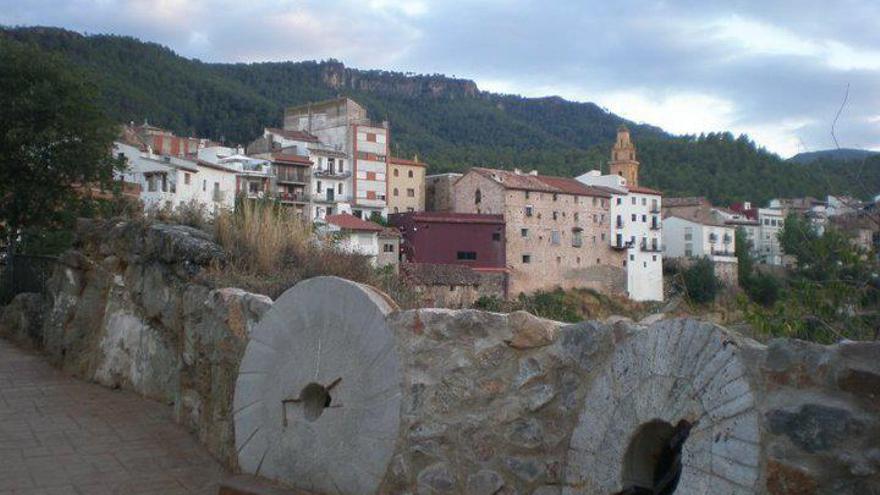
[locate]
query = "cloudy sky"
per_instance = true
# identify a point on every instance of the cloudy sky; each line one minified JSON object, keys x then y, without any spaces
{"x":777,"y":70}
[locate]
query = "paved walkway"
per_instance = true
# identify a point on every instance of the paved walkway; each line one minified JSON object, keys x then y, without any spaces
{"x":60,"y":435}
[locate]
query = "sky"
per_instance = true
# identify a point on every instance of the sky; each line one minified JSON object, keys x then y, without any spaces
{"x":777,"y":70}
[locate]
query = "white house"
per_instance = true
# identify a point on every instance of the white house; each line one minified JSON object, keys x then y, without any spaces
{"x":636,"y":223}
{"x":171,"y":181}
{"x":767,"y":248}
{"x":252,"y":177}
{"x":355,"y":235}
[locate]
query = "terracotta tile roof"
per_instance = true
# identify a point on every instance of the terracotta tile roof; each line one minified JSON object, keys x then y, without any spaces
{"x":434,"y":274}
{"x":540,"y":183}
{"x":295,"y":135}
{"x":350,"y":222}
{"x":403,"y":161}
{"x":449,"y":217}
{"x":643,"y":190}
{"x":389,"y":232}
{"x":698,"y":214}
{"x":290,"y":158}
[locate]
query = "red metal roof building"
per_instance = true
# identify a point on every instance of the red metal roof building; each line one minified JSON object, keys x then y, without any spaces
{"x":476,"y":241}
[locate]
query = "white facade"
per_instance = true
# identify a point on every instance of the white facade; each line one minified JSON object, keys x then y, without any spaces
{"x":331,"y":183}
{"x":635,"y":226}
{"x":685,"y":238}
{"x":168,"y":181}
{"x":767,"y":248}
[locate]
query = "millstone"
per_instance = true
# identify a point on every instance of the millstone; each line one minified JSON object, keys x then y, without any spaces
{"x":673,"y":413}
{"x":317,"y":399}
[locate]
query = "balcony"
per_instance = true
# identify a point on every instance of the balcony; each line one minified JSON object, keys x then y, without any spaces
{"x":655,"y":209}
{"x":331,"y":174}
{"x":298,"y":178}
{"x":727,"y":239}
{"x":620,"y":246}
{"x":650,"y":248}
{"x":336,"y":198}
{"x":619,"y":224}
{"x":295,"y":197}
{"x":723,"y":253}
{"x":656,"y":225}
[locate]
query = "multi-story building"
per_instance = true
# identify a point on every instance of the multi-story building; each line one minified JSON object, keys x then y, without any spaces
{"x":636,"y":225}
{"x":343,"y":125}
{"x":331,"y":182}
{"x":406,"y":185}
{"x":163,"y":142}
{"x":767,"y":247}
{"x":170,"y":181}
{"x":293,"y":174}
{"x":254,"y":177}
{"x":556,"y":229}
{"x":692,"y":228}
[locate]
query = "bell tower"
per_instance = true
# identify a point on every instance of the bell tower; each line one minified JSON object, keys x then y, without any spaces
{"x":623,"y":158}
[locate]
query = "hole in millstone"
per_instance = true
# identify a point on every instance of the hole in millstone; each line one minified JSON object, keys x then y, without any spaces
{"x":652,"y":464}
{"x":314,"y":398}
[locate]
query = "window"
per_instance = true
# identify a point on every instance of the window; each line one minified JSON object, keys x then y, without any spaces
{"x":411,"y":193}
{"x":688,"y":249}
{"x":396,"y":172}
{"x":688,"y":233}
{"x":339,"y":167}
{"x":595,"y":218}
{"x":410,"y":174}
{"x":576,"y":216}
{"x":204,"y":184}
{"x":554,"y":237}
{"x":619,"y":200}
{"x":633,"y":200}
{"x":633,"y":217}
{"x":339,"y":188}
{"x":527,"y":195}
{"x":371,"y":194}
{"x":371,"y":137}
{"x":597,"y":261}
{"x":319,"y":186}
{"x":396,"y":210}
{"x":371,"y":175}
{"x":577,"y":238}
{"x":644,"y":218}
{"x":466,"y":255}
{"x":529,"y":210}
{"x":644,"y":201}
{"x":555,"y":196}
{"x":395,"y":192}
{"x":632,"y":257}
{"x":478,"y":197}
{"x":524,"y":232}
{"x":186,"y":178}
{"x":496,"y":236}
{"x":603,"y":236}
{"x":555,"y":215}
{"x":388,"y":248}
{"x":558,"y":260}
{"x":578,"y":260}
{"x":527,"y":258}
{"x":654,"y":258}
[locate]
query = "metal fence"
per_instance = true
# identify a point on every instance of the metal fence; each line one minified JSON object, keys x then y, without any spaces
{"x":24,"y":273}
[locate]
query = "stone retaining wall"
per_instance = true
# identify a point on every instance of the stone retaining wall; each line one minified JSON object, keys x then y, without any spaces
{"x":333,"y":389}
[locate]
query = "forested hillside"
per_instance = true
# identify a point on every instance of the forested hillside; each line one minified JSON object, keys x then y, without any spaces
{"x":449,"y":122}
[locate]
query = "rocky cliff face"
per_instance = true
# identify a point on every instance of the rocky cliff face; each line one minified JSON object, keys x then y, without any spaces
{"x":337,"y":76}
{"x":371,"y":399}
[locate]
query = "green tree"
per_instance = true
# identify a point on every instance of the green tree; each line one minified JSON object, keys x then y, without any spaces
{"x":52,"y":139}
{"x":700,"y":283}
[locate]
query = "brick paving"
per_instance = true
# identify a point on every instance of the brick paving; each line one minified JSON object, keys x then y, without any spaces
{"x":60,"y":435}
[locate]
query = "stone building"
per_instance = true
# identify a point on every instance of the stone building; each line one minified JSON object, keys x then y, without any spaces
{"x":556,"y":229}
{"x":406,"y":185}
{"x":439,"y":192}
{"x":389,"y":248}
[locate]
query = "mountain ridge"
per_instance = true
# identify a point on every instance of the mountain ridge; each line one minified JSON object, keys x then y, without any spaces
{"x":449,"y":122}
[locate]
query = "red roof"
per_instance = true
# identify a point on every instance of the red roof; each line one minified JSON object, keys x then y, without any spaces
{"x":294,"y":135}
{"x":540,"y":183}
{"x":404,"y":161}
{"x":449,"y":217}
{"x":643,"y":190}
{"x":350,"y":222}
{"x":289,"y":158}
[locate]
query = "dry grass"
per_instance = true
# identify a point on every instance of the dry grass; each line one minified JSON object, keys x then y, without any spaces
{"x":260,"y":237}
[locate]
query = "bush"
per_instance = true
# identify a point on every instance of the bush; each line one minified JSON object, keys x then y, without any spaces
{"x":700,"y":283}
{"x":762,"y":288}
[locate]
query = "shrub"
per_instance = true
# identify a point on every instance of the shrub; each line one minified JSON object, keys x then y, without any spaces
{"x":762,"y":288}
{"x":700,"y":283}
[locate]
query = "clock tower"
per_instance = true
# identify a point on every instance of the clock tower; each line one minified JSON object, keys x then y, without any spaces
{"x":623,"y":158}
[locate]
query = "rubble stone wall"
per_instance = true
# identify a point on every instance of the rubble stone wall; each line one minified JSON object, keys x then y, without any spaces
{"x":379,"y":400}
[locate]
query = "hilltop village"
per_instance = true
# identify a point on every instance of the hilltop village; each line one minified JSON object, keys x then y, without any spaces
{"x":459,"y":237}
